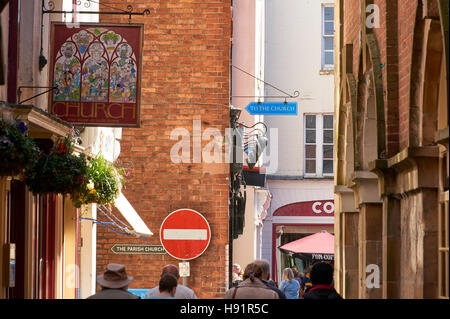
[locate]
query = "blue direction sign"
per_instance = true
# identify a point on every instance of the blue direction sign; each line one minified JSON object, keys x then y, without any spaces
{"x":141,"y":292}
{"x":272,"y":108}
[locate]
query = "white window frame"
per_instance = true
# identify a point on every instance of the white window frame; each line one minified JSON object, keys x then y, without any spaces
{"x":324,"y":36}
{"x":319,"y":146}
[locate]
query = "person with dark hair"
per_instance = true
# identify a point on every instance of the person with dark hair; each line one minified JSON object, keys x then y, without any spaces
{"x":322,"y":283}
{"x":306,"y":282}
{"x":301,"y":291}
{"x":182,"y":292}
{"x":252,"y":287}
{"x":296,"y":274}
{"x":167,"y":287}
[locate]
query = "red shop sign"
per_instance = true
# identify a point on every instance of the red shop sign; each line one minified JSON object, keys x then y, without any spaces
{"x":96,"y":69}
{"x":320,"y":208}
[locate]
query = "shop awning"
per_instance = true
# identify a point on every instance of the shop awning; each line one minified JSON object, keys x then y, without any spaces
{"x":319,"y":246}
{"x":132,"y":217}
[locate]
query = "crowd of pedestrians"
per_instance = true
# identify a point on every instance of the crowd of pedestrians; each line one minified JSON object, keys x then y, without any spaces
{"x":252,"y":283}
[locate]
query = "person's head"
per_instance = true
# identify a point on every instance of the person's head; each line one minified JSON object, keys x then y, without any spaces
{"x":265,"y":266}
{"x":114,"y":277}
{"x":288,"y":274}
{"x":170,"y":269}
{"x":252,"y":271}
{"x":322,"y":274}
{"x":236,"y":268}
{"x":168,"y":283}
{"x":308,"y":270}
{"x":301,"y":275}
{"x":295,"y":271}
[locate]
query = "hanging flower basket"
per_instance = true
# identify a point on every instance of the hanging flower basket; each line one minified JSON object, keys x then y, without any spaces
{"x":17,"y":150}
{"x":103,"y":183}
{"x":60,"y":171}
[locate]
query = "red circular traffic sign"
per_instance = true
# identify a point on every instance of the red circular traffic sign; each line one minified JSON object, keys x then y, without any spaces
{"x":185,"y":234}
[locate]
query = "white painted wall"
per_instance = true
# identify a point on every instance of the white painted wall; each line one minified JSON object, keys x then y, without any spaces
{"x":287,"y":192}
{"x":243,"y":57}
{"x":293,"y":62}
{"x":88,"y":233}
{"x":247,"y":55}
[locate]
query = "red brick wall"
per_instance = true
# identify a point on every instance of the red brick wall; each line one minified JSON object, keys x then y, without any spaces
{"x":387,"y":37}
{"x":395,"y":41}
{"x":406,"y":21}
{"x":185,"y":77}
{"x":352,"y":23}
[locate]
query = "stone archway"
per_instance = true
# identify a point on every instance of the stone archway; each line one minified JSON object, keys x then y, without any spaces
{"x":361,"y":140}
{"x":426,"y":63}
{"x":346,"y":215}
{"x":369,"y":146}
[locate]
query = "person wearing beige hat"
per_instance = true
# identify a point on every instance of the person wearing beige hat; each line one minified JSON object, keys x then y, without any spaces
{"x":114,"y":282}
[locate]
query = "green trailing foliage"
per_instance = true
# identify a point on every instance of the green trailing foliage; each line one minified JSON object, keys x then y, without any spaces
{"x":103,"y":183}
{"x":60,"y":171}
{"x":17,"y":150}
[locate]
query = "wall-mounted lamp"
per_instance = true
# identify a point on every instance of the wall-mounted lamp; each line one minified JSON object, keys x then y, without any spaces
{"x":255,"y":150}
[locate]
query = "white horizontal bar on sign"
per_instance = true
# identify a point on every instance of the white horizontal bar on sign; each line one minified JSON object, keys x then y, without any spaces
{"x":185,"y":234}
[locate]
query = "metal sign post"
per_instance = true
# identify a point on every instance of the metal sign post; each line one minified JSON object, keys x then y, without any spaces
{"x":185,"y":234}
{"x":184,"y":271}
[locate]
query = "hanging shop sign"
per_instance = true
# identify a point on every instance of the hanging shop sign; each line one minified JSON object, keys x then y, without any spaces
{"x":95,"y":70}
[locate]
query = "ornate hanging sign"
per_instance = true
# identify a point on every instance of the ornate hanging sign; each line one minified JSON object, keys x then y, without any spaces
{"x":96,"y":70}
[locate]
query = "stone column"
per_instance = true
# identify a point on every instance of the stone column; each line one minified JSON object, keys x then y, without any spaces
{"x":416,"y":187}
{"x":346,"y":256}
{"x":368,"y":201}
{"x":391,"y":240}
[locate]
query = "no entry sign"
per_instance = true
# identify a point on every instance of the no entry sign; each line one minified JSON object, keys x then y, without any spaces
{"x":185,"y":234}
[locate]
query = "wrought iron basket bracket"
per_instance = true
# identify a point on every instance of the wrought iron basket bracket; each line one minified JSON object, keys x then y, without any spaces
{"x":50,"y":8}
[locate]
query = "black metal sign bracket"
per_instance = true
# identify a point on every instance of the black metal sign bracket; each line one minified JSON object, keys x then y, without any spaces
{"x":50,"y":8}
{"x":19,"y":92}
{"x":87,"y":3}
{"x":285,"y":97}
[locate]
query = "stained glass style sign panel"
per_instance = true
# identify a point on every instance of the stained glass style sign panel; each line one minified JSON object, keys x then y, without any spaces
{"x":96,"y":69}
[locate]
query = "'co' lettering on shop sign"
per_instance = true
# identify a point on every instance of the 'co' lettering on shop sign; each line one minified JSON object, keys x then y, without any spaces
{"x":323,"y":207}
